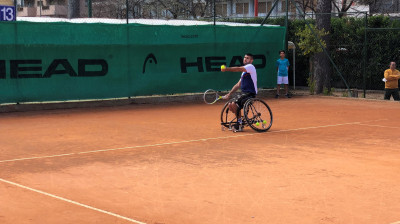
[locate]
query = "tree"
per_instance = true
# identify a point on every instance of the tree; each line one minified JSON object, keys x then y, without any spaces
{"x":202,"y":7}
{"x":136,"y":8}
{"x":186,"y":8}
{"x":151,"y":8}
{"x":310,"y":46}
{"x":322,"y":74}
{"x":172,"y":6}
{"x":343,"y":7}
{"x":306,"y":5}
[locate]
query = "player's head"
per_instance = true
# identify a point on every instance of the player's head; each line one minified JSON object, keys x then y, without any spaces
{"x":282,"y":53}
{"x":248,"y":59}
{"x":392,"y":65}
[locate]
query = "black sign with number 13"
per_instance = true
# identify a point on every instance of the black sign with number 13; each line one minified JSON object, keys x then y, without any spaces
{"x":7,"y":13}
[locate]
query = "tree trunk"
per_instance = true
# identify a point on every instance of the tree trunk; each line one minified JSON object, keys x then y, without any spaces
{"x":310,"y":81}
{"x":322,"y":74}
{"x":73,"y":9}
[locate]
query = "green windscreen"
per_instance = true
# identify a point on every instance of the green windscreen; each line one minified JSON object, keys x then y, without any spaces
{"x":67,"y":61}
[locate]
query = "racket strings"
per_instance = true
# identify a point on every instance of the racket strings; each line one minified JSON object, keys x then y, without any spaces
{"x":211,"y":96}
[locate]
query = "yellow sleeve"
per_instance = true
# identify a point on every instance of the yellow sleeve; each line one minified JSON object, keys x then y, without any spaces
{"x":387,"y":74}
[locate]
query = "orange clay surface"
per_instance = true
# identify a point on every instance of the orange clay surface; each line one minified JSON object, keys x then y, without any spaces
{"x":325,"y":160}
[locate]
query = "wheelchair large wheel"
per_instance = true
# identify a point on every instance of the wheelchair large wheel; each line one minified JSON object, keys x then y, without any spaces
{"x":227,"y":117}
{"x":258,"y":115}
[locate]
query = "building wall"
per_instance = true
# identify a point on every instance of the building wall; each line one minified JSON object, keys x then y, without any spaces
{"x":7,"y":2}
{"x":31,"y":8}
{"x":245,"y":8}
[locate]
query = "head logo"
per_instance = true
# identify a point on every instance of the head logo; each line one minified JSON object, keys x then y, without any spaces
{"x":33,"y":68}
{"x":212,"y":64}
{"x":149,"y":58}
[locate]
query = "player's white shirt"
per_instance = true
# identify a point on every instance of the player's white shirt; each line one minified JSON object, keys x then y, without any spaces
{"x":249,"y":79}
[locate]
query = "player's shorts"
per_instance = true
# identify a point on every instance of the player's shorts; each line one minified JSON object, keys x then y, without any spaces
{"x":283,"y":80}
{"x":241,"y":99}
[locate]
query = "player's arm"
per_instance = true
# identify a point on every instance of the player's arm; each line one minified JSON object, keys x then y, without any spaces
{"x":390,"y":77}
{"x":233,"y":90}
{"x":386,"y":75}
{"x":234,"y":69}
{"x":396,"y":75}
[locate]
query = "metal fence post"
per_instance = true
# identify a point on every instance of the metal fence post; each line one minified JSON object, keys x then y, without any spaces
{"x":286,"y":25}
{"x":365,"y":55}
{"x":214,"y":11}
{"x":127,"y":12}
{"x":90,"y":8}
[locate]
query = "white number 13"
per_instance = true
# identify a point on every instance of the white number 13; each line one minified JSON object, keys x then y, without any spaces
{"x":8,"y":14}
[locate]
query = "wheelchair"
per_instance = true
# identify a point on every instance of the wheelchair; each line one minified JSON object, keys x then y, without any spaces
{"x":255,"y":113}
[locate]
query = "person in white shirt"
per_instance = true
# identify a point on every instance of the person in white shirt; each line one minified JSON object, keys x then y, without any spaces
{"x":247,"y":83}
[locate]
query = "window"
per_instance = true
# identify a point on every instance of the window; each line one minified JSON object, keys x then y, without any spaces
{"x":262,"y":8}
{"x":29,"y":3}
{"x":221,"y":9}
{"x":56,"y":2}
{"x":137,"y":12}
{"x":242,"y":8}
{"x":20,"y":3}
{"x":269,"y":6}
{"x":239,"y":8}
{"x":292,"y":8}
{"x":283,"y":6}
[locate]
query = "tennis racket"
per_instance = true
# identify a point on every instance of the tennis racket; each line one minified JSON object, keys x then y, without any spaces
{"x":211,"y":96}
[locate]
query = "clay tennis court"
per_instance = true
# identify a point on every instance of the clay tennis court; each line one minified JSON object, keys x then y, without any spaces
{"x":325,"y":160}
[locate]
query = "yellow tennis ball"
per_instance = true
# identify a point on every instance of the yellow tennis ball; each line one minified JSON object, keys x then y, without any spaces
{"x":223,"y":67}
{"x":257,"y":123}
{"x":264,"y":121}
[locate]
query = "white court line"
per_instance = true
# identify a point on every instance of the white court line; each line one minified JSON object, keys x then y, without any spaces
{"x":379,"y":126}
{"x":72,"y":202}
{"x":383,"y":119}
{"x":398,"y":222}
{"x":181,"y":142}
{"x":128,"y":147}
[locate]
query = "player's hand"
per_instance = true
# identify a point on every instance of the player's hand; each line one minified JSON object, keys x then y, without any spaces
{"x":226,"y":97}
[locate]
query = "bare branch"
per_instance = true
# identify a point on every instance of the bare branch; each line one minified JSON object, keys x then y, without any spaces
{"x":336,"y":6}
{"x":348,"y":7}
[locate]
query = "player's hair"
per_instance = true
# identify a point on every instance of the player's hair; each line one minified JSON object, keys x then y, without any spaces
{"x":250,"y":55}
{"x":282,"y":51}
